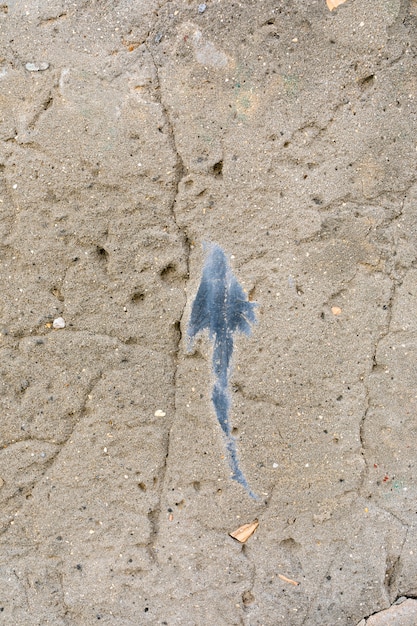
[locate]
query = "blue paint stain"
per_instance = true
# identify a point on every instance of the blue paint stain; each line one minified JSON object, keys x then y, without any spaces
{"x":222,"y":307}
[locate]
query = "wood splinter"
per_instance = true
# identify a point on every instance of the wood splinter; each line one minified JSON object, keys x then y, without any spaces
{"x":243,"y":533}
{"x":288,"y":580}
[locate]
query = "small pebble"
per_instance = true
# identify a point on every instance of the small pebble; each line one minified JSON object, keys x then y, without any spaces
{"x":160,"y":413}
{"x":33,"y":67}
{"x":59,"y":322}
{"x":275,"y":465}
{"x":202,"y":8}
{"x":158,"y":37}
{"x":336,"y":310}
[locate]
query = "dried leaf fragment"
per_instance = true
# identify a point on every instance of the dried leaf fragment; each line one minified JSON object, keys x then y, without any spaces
{"x":288,"y":580}
{"x":332,"y":4}
{"x":243,"y":533}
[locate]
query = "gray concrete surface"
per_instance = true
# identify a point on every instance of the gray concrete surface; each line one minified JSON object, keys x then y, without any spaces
{"x":130,"y":133}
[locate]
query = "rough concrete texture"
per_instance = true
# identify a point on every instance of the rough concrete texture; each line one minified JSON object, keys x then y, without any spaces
{"x":132,"y":132}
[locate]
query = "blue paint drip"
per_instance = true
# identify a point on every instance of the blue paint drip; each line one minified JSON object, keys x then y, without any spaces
{"x":221,"y":306}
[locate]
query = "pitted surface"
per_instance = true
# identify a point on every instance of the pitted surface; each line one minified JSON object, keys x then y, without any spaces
{"x":130,"y":134}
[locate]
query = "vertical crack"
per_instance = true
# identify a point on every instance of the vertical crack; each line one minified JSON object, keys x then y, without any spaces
{"x":374,"y":365}
{"x":396,"y":280}
{"x":180,"y":169}
{"x":392,"y":569}
{"x":154,"y":515}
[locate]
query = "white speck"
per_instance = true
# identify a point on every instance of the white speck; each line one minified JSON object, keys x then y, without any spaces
{"x":59,"y":322}
{"x":202,"y":8}
{"x":275,"y":465}
{"x":15,"y":186}
{"x":104,"y":449}
{"x":307,"y":465}
{"x":206,"y":52}
{"x":159,"y":413}
{"x":34,"y":67}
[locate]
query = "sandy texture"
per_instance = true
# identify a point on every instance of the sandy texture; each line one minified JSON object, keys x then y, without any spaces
{"x":130,"y":134}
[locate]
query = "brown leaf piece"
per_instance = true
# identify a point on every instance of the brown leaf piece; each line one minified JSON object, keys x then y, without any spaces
{"x":243,"y":533}
{"x":332,"y":4}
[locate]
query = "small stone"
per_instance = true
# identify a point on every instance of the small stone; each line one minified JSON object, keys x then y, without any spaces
{"x":275,"y":465}
{"x":336,"y":310}
{"x":36,"y":67}
{"x":59,"y":322}
{"x":202,"y":8}
{"x":159,"y":413}
{"x":158,"y":37}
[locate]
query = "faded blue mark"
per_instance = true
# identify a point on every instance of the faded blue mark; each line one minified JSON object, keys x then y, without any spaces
{"x":222,"y":307}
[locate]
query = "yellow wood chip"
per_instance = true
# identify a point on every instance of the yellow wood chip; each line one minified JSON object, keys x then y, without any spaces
{"x":332,"y":4}
{"x":243,"y":533}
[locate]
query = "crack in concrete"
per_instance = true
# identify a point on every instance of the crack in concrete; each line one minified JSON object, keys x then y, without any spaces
{"x":395,"y":282}
{"x":18,"y":337}
{"x":395,"y":602}
{"x":154,"y":515}
{"x":48,"y":464}
{"x":391,"y":571}
{"x":44,"y":105}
